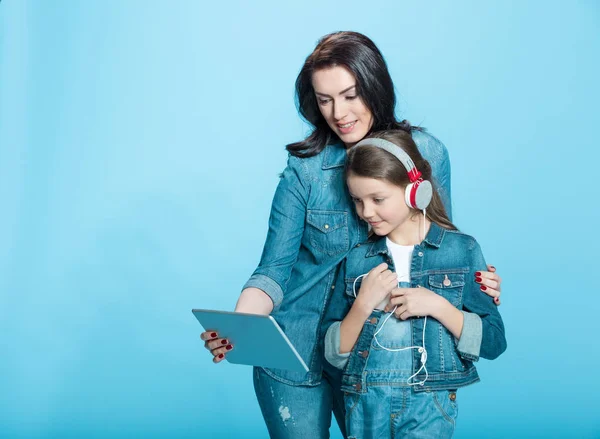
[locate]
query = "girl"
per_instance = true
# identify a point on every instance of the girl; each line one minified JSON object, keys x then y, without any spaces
{"x":402,"y":369}
{"x":344,"y":90}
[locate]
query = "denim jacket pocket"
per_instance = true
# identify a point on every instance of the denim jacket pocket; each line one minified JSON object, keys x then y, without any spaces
{"x":353,"y":288}
{"x":448,"y":285}
{"x":328,"y":231}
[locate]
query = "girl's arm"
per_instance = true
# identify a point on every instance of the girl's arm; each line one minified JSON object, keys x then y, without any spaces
{"x":374,"y":289}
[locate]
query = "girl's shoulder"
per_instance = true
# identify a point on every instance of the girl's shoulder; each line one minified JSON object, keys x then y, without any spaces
{"x":458,"y":238}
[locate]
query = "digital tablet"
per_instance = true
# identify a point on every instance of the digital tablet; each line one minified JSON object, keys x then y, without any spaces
{"x":257,"y":339}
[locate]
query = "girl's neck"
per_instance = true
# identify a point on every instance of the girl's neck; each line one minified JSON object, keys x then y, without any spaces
{"x":410,"y":232}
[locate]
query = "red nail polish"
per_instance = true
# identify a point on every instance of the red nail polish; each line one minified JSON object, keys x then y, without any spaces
{"x":223,"y":341}
{"x":229,"y":347}
{"x":478,"y":273}
{"x":483,"y":288}
{"x":477,"y":279}
{"x":221,"y":355}
{"x":213,"y":334}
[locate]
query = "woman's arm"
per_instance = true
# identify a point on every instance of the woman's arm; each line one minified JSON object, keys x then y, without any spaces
{"x":286,"y":227}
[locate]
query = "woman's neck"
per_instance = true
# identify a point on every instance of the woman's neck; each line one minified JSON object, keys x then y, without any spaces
{"x":410,"y":232}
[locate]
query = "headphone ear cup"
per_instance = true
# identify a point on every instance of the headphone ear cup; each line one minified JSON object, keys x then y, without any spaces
{"x":408,"y":195}
{"x":418,"y":194}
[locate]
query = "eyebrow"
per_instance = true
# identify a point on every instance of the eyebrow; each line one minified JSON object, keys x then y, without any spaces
{"x":372,"y":195}
{"x":341,"y":93}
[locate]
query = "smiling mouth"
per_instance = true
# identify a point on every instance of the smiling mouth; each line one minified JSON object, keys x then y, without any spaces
{"x":347,"y":125}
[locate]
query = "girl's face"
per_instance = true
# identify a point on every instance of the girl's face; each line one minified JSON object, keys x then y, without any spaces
{"x":382,"y":205}
{"x":345,"y":112}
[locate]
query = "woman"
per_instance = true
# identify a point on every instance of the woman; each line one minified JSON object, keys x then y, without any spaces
{"x":344,"y":91}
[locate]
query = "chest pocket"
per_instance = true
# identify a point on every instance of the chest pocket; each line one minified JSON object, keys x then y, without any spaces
{"x":448,"y":285}
{"x":351,"y":287}
{"x":327,"y":231}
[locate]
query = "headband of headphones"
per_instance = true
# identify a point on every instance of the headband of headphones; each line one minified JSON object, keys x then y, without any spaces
{"x":395,"y":150}
{"x":419,"y":192}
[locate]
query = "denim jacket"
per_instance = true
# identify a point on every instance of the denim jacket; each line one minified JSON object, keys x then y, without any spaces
{"x":312,"y":227}
{"x":445,"y":263}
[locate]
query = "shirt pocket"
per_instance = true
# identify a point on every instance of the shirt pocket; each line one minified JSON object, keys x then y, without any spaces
{"x":448,"y":285}
{"x":327,"y":231}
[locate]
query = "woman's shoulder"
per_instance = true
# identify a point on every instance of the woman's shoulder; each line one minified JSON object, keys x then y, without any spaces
{"x":332,"y":156}
{"x":427,"y":141}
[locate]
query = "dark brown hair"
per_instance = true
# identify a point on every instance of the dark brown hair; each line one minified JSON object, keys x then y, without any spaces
{"x":374,"y":86}
{"x":373,"y":162}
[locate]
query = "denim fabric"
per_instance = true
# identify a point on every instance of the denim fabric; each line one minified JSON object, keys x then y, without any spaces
{"x":384,"y":405}
{"x":445,"y":262}
{"x":297,"y":412}
{"x":312,"y":227}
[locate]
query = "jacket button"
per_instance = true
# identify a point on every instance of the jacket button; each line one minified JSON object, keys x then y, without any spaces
{"x":420,"y":254}
{"x":452,"y":396}
{"x":374,"y":320}
{"x":357,"y":245}
{"x":364,"y":354}
{"x":326,"y":226}
{"x":357,"y":386}
{"x":333,"y":287}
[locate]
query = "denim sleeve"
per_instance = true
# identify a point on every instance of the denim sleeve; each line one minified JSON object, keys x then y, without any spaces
{"x":436,"y":154}
{"x":286,"y":227}
{"x":469,"y":344}
{"x":332,"y":347}
{"x":493,"y":340}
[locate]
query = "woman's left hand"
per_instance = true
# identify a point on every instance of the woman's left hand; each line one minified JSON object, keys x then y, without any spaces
{"x":413,"y":302}
{"x":490,"y":282}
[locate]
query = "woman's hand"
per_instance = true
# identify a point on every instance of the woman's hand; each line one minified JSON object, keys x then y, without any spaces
{"x":414,"y":302}
{"x":376,"y":286}
{"x":218,"y":347}
{"x":490,"y":283}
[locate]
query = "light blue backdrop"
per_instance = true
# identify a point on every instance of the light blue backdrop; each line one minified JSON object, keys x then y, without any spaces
{"x":140,"y":144}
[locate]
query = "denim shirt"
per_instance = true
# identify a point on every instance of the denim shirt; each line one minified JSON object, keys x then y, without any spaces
{"x":445,"y":263}
{"x":312,"y":227}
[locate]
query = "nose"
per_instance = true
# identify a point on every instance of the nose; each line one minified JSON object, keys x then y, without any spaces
{"x":340,"y":110}
{"x":367,"y":211}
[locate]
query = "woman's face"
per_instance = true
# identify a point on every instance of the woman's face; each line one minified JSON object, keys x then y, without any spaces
{"x":345,"y":112}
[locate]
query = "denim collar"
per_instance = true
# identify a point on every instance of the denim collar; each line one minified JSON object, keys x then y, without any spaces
{"x":334,"y":156}
{"x":434,"y":239}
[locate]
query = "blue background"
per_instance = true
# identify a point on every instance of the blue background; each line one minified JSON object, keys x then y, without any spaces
{"x":140,"y":146}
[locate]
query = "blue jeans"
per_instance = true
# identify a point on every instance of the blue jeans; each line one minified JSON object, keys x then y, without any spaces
{"x":409,"y":414}
{"x":298,"y":412}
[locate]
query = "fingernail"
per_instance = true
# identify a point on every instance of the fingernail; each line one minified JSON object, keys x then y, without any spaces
{"x":478,"y":273}
{"x":492,"y":267}
{"x":477,"y":279}
{"x":221,"y":355}
{"x":213,"y":334}
{"x":496,"y":300}
{"x":223,"y":341}
{"x":483,"y":288}
{"x":229,"y":347}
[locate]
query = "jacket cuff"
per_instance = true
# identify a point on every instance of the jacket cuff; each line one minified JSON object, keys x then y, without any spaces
{"x":269,"y":286}
{"x":469,"y":343}
{"x":332,"y":347}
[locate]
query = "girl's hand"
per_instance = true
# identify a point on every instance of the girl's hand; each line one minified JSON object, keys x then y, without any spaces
{"x":414,"y":302}
{"x":218,"y":347}
{"x":376,"y":286}
{"x":490,"y":283}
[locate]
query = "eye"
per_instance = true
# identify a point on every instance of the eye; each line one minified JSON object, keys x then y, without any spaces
{"x":355,"y":200}
{"x":323,"y":101}
{"x":350,"y":98}
{"x":378,"y":200}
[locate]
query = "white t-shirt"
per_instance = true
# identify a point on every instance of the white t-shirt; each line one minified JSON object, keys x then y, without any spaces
{"x":402,"y":257}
